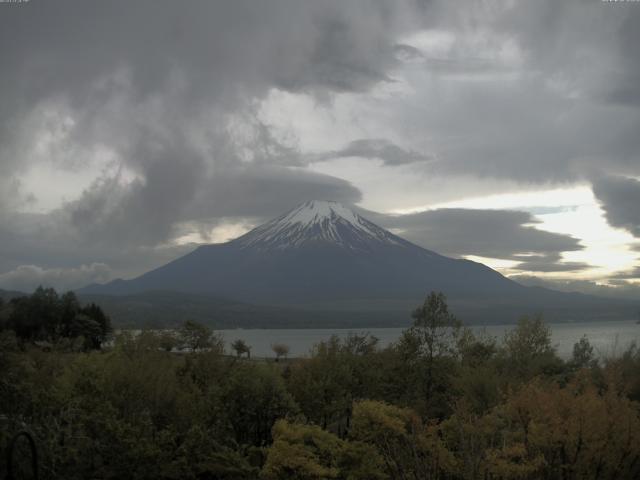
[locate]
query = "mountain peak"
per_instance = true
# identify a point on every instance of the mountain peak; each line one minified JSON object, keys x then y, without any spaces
{"x":315,"y":222}
{"x":316,"y":211}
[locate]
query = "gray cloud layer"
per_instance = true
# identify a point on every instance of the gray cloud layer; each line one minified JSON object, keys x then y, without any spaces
{"x":374,"y":148}
{"x":541,"y":91}
{"x":160,"y":99}
{"x":165,"y":91}
{"x":620,"y":199}
{"x":501,"y":234}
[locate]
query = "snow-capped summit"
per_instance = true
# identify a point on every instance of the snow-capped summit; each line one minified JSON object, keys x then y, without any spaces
{"x":318,"y":222}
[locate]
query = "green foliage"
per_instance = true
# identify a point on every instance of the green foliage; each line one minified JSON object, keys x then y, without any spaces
{"x":196,"y":337}
{"x":302,"y":452}
{"x":254,"y":397}
{"x":623,"y":373}
{"x":46,"y":317}
{"x":307,"y":452}
{"x":477,"y":382}
{"x":241,"y":347}
{"x":338,"y":372}
{"x":531,"y":338}
{"x":434,"y":329}
{"x":527,"y":349}
{"x":280,"y":349}
{"x":583,"y":355}
{"x":474,"y":349}
{"x":409,"y":448}
{"x":429,"y":350}
{"x":442,"y":403}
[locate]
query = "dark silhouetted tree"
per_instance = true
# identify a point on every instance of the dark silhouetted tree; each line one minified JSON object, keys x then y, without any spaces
{"x":280,"y":349}
{"x":241,"y":347}
{"x":196,"y":336}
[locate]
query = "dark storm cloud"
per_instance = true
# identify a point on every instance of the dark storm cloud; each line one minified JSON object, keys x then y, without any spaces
{"x":145,"y":213}
{"x":375,"y":148}
{"x":542,"y":91}
{"x":502,"y":234}
{"x":72,"y":48}
{"x":620,"y":200}
{"x":562,"y":37}
{"x":51,"y":242}
{"x":125,"y":70}
{"x":108,"y":225}
{"x":159,"y":86}
{"x":626,"y":89}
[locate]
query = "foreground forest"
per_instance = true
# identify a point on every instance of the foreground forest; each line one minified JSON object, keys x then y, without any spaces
{"x":441,"y":403}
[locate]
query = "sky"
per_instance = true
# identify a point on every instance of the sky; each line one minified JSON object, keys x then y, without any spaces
{"x":506,"y":132}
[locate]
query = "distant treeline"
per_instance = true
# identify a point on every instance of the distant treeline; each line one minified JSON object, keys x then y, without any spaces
{"x":48,"y":317}
{"x":441,"y":403}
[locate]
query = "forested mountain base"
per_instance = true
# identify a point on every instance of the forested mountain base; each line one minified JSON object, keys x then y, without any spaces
{"x":441,"y":403}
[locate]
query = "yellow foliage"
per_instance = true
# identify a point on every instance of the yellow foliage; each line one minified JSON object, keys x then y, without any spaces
{"x":408,"y":447}
{"x":513,"y":462}
{"x":301,"y":452}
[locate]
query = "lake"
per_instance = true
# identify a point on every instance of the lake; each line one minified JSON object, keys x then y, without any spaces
{"x":610,"y":338}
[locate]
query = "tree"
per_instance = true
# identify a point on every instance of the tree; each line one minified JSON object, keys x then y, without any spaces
{"x":339,"y":371}
{"x":45,"y":316}
{"x":195,"y":336}
{"x":302,"y":452}
{"x":241,"y":347}
{"x":94,"y":312}
{"x":254,"y":396}
{"x":429,"y":349}
{"x":583,"y":355}
{"x":409,"y":448}
{"x":570,"y":432}
{"x":306,"y":452}
{"x":70,"y":307}
{"x":5,"y":313}
{"x":527,"y":349}
{"x":530,"y":338}
{"x":36,"y":317}
{"x":477,"y":381}
{"x":435,"y":327}
{"x":168,"y":340}
{"x":281,"y":350}
{"x":86,"y":327}
{"x":475,"y":350}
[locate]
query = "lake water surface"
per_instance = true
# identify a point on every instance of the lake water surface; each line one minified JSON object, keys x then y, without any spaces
{"x":608,"y":338}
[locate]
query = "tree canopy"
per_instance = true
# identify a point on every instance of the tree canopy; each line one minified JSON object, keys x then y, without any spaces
{"x":141,"y":408}
{"x":46,"y":316}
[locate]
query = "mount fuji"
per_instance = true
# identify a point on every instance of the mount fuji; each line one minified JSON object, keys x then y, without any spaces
{"x":322,"y":255}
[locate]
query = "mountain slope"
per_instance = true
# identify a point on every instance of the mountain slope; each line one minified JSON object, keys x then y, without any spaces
{"x":322,"y":256}
{"x":9,"y":294}
{"x":317,"y":252}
